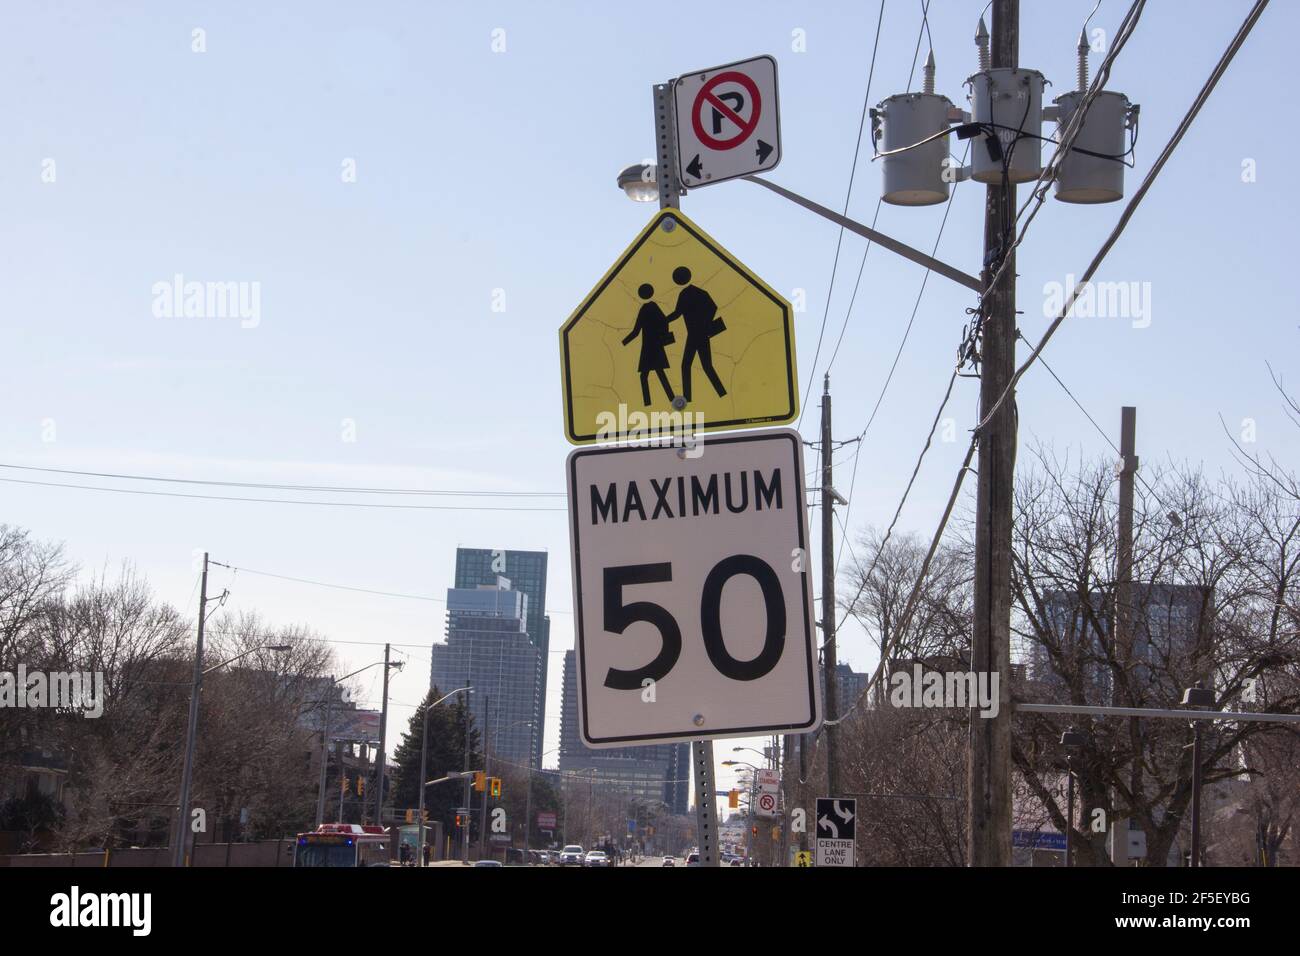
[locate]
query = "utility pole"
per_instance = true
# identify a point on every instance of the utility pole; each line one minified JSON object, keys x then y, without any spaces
{"x":191,"y":735}
{"x":464,"y":847}
{"x":990,"y":737}
{"x":528,"y":797}
{"x":383,"y":742}
{"x":1128,"y":466}
{"x":829,"y":662}
{"x":487,"y":775}
{"x":325,"y":754}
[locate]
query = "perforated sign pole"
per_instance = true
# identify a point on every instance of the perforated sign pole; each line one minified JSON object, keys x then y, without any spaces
{"x":706,"y":809}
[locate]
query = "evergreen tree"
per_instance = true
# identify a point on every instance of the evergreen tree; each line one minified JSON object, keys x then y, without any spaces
{"x":446,"y":753}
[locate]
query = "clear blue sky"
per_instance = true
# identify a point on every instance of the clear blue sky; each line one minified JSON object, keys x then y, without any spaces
{"x":479,"y":171}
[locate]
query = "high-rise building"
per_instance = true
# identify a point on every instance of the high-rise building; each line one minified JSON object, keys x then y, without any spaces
{"x":526,"y":571}
{"x":1167,"y":624}
{"x":656,"y":772}
{"x":488,"y":648}
{"x":848,"y":685}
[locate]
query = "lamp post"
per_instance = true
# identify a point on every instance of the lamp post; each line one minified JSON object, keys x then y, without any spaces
{"x":424,"y":756}
{"x":324,"y":743}
{"x":1072,"y":741}
{"x":1197,"y":698}
{"x":192,"y":730}
{"x":489,"y":746}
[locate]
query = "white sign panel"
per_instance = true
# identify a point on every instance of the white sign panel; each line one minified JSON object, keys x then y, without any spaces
{"x":765,"y":804}
{"x":768,"y":779}
{"x":728,"y":123}
{"x":692,"y":593}
{"x":836,"y":832}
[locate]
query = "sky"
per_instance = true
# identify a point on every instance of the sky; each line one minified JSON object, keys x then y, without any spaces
{"x":421,"y":193}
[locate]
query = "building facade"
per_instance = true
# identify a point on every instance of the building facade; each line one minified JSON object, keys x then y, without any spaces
{"x":488,"y":648}
{"x":657,"y":773}
{"x":526,"y":571}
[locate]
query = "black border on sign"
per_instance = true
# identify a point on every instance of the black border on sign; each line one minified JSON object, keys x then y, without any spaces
{"x":776,"y":90}
{"x":808,"y":637}
{"x":781,"y":418}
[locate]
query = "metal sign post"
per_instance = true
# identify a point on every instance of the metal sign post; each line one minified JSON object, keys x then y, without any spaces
{"x":706,"y":807}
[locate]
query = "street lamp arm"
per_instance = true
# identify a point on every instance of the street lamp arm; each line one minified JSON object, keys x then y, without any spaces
{"x":251,"y":650}
{"x":879,"y":238}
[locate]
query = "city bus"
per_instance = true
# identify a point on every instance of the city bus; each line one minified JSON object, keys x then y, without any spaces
{"x":342,"y":844}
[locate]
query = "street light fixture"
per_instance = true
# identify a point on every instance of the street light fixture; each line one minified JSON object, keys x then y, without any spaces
{"x":424,"y":755}
{"x":324,"y":744}
{"x":1197,"y":698}
{"x":192,"y":731}
{"x":1073,"y":742}
{"x":639,"y":182}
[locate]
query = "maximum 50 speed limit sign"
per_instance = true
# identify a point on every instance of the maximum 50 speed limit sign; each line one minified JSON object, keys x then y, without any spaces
{"x":692,"y":593}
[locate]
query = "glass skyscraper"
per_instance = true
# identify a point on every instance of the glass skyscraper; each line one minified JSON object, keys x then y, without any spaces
{"x":526,"y":571}
{"x":488,"y":648}
{"x":656,"y":772}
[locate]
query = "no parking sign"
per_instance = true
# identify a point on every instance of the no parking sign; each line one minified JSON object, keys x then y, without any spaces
{"x":728,"y":122}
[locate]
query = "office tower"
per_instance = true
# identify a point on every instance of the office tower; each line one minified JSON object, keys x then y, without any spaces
{"x":488,"y":648}
{"x":657,"y":772}
{"x":526,"y":571}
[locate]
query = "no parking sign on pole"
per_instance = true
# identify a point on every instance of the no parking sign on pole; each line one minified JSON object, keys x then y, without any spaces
{"x":728,"y":122}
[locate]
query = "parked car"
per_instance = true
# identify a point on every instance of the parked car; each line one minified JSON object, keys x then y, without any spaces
{"x":596,"y":858}
{"x":571,"y":855}
{"x":693,"y":858}
{"x":488,"y":863}
{"x":669,"y":861}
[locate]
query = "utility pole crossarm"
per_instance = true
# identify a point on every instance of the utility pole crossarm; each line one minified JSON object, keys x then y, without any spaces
{"x":893,"y":245}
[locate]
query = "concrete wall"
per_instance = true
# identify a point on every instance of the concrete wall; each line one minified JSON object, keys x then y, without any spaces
{"x":266,"y":853}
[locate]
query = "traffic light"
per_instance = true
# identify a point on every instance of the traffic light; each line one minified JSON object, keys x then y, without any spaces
{"x":361,"y":786}
{"x":754,"y":831}
{"x":480,"y":780}
{"x":496,"y":787}
{"x":460,"y":820}
{"x":733,"y":799}
{"x":346,"y":788}
{"x":410,"y":816}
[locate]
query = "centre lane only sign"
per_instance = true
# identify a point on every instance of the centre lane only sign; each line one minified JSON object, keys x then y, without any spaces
{"x":692,"y":595}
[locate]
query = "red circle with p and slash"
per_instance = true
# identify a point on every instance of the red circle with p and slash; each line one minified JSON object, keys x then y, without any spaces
{"x":707,"y":96}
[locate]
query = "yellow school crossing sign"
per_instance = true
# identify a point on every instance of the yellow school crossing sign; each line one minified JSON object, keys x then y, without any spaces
{"x":678,"y":336}
{"x":803,"y":858}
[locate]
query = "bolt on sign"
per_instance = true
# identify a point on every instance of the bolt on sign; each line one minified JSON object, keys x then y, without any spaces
{"x":678,"y":337}
{"x":692,"y":596}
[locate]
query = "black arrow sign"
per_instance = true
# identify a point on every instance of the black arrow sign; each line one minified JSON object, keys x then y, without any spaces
{"x":763,"y":151}
{"x":695,"y":168}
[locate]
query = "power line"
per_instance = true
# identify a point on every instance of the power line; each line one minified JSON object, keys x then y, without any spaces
{"x":280,"y":501}
{"x":349,"y":587}
{"x":340,"y":587}
{"x":839,"y":241}
{"x":347,"y":489}
{"x":1100,"y":430}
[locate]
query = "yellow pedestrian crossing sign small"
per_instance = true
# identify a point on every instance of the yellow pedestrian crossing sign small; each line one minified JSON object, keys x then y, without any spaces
{"x":803,"y":858}
{"x":679,"y":336}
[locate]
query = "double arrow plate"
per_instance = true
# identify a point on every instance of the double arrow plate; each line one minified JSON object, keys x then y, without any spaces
{"x":728,"y":122}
